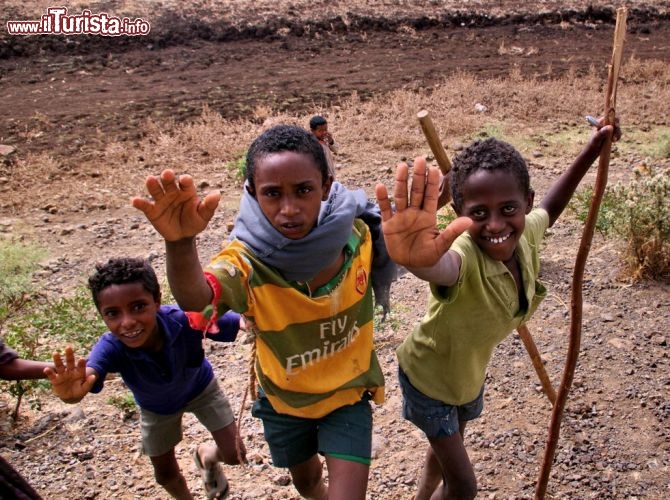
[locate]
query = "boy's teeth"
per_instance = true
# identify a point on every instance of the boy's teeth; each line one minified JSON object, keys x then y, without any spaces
{"x":498,"y":240}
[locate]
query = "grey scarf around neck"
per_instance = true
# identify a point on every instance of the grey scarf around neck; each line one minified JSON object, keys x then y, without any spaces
{"x":301,"y":260}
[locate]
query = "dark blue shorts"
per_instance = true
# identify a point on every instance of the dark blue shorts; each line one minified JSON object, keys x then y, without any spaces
{"x":345,"y":433}
{"x":433,"y":417}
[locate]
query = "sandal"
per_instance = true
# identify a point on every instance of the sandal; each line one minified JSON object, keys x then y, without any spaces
{"x":214,"y":480}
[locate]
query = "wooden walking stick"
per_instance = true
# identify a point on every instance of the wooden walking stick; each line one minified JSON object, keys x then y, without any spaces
{"x":434,"y":141}
{"x":580,"y":262}
{"x":536,"y":359}
{"x":445,"y":166}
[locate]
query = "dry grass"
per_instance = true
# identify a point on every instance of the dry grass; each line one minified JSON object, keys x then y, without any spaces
{"x":377,"y":132}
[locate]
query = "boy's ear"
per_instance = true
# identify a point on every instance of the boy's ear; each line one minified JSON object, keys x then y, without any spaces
{"x":531,"y":198}
{"x":250,"y":189}
{"x":326,"y":187}
{"x":453,"y":205}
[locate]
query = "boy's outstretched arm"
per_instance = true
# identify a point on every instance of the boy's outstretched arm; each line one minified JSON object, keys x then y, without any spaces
{"x":23,"y":369}
{"x":411,"y":233}
{"x":178,"y":214}
{"x":559,"y":194}
{"x":70,"y":381}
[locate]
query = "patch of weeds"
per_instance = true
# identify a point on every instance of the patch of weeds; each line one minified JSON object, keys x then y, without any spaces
{"x":664,"y":146}
{"x":490,"y":130}
{"x":640,"y":214}
{"x":444,"y":217}
{"x":392,"y":320}
{"x":18,"y":262}
{"x":69,"y":320}
{"x":581,"y":201}
{"x":124,"y":403}
{"x":65,"y":321}
{"x":652,"y":142}
{"x":238,"y":166}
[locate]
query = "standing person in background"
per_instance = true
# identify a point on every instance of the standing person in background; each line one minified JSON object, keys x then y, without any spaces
{"x":319,"y":127}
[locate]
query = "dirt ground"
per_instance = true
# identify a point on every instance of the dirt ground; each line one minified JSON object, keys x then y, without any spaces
{"x":70,"y":97}
{"x":88,"y":90}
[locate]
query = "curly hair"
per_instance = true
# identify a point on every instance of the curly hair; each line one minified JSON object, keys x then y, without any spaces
{"x":488,"y":154}
{"x":282,"y":138}
{"x":121,"y":271}
{"x":317,"y":120}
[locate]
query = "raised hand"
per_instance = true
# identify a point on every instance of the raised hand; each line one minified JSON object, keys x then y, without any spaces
{"x":411,"y":233}
{"x":175,"y":209}
{"x":69,"y":380}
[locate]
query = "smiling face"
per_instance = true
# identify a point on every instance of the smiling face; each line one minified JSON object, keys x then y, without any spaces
{"x":289,"y":188}
{"x":497,"y":205}
{"x":129,"y":311}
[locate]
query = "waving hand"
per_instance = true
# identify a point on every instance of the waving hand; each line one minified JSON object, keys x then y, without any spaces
{"x":70,"y":380}
{"x":175,"y":209}
{"x":411,"y":233}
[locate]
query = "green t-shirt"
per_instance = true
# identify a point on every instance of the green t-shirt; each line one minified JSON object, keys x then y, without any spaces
{"x":446,"y":355}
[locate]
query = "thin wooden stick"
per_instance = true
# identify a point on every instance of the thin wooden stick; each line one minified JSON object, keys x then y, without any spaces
{"x":536,"y":359}
{"x":580,"y":263}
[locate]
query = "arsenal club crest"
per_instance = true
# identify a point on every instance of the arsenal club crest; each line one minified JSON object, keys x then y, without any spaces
{"x":361,"y":280}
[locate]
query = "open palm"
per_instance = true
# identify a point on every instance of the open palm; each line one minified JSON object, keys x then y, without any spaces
{"x":411,"y":233}
{"x":69,"y":379}
{"x":175,"y":210}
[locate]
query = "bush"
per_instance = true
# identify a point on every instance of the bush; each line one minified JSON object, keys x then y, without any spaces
{"x":18,"y":262}
{"x":61,"y":322}
{"x":71,"y":320}
{"x":32,"y":324}
{"x":125,"y":404}
{"x":239,"y":166}
{"x":640,"y":214}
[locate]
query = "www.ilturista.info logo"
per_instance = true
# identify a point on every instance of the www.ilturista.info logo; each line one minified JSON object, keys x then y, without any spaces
{"x":57,"y":22}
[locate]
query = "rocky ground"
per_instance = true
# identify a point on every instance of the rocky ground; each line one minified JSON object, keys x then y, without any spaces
{"x":73,"y":98}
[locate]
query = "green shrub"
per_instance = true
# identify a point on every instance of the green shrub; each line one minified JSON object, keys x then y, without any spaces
{"x":124,"y":403}
{"x":664,"y":146}
{"x":18,"y":262}
{"x":43,"y":325}
{"x":238,"y":166}
{"x":59,"y":321}
{"x":444,"y":216}
{"x":640,"y":214}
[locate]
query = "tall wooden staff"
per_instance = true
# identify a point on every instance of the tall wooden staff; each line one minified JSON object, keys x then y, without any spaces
{"x":580,"y":262}
{"x":445,"y":166}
